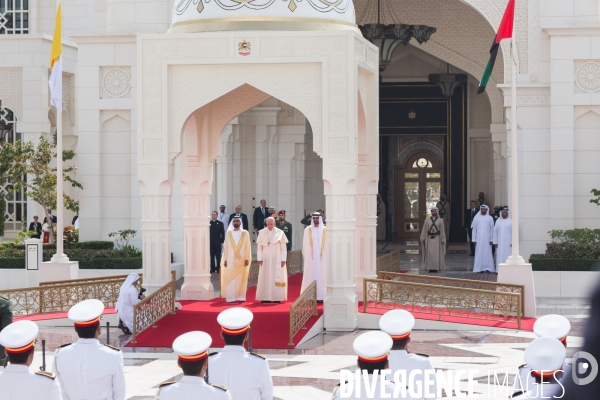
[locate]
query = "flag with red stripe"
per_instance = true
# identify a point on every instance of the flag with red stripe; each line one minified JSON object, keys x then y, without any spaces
{"x":504,"y":32}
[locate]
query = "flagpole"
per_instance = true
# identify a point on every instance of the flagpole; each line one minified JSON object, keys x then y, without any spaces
{"x":59,"y":256}
{"x":515,"y":258}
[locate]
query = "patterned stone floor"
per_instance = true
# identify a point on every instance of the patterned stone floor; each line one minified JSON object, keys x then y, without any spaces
{"x":313,"y":370}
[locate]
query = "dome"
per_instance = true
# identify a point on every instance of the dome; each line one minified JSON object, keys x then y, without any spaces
{"x":283,"y":15}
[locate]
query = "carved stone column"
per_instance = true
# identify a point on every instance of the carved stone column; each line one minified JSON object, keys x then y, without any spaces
{"x":366,"y":229}
{"x":499,"y":147}
{"x":156,"y":239}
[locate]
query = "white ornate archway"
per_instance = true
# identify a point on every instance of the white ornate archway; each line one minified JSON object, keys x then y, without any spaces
{"x":191,"y":85}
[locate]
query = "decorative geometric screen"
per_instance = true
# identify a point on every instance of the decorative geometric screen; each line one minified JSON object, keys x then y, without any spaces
{"x":16,"y":202}
{"x":14,"y":17}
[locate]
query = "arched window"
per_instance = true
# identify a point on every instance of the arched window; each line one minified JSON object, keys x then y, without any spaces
{"x":14,"y":17}
{"x":16,"y":201}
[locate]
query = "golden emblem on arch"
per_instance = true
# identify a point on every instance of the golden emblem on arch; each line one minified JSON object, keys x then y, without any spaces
{"x":244,"y":48}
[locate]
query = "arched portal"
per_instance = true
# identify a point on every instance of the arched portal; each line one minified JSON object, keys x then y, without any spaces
{"x":192,"y":85}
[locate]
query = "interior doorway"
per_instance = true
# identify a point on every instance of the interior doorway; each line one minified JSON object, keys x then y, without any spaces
{"x":418,"y":183}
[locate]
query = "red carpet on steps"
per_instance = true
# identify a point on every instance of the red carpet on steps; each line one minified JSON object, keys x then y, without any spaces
{"x":270,"y":327}
{"x":526,"y":323}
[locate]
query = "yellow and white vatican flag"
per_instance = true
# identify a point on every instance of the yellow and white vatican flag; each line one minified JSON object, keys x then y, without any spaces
{"x":55,"y":81}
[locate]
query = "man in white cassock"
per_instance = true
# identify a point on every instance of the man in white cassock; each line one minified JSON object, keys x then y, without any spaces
{"x":503,"y":237}
{"x":315,"y":256}
{"x":483,"y":231}
{"x":271,"y":255}
{"x":235,"y":263}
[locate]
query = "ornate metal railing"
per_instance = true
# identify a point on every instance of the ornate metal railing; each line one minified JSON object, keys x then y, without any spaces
{"x":302,"y":309}
{"x":389,"y":262}
{"x":455,"y":282}
{"x":102,"y":278}
{"x":149,"y":311}
{"x":62,"y":296}
{"x":442,"y":300}
{"x":294,"y":266}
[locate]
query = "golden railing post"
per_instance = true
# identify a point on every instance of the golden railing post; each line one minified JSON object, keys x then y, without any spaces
{"x":41,"y":301}
{"x":364,"y":295}
{"x":520,"y":299}
{"x":134,"y":332}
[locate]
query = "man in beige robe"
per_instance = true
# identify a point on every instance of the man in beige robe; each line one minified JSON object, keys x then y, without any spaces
{"x":444,"y":212}
{"x":433,"y":240}
{"x":271,"y":255}
{"x":235,"y":262}
{"x":381,"y":217}
{"x":314,"y":253}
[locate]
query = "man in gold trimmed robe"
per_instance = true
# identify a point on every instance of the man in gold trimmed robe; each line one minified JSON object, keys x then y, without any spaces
{"x":315,"y":256}
{"x":271,"y":255}
{"x":235,"y":262}
{"x":433,"y":240}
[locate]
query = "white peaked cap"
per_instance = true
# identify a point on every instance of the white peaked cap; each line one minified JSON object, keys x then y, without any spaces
{"x":86,"y":313}
{"x":397,"y":323}
{"x":545,"y":354}
{"x":235,"y":321}
{"x":192,"y":346}
{"x":19,"y":336}
{"x":555,"y":326}
{"x":373,"y":345}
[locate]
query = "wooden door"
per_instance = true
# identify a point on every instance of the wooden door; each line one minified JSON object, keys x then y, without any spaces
{"x":418,"y":185}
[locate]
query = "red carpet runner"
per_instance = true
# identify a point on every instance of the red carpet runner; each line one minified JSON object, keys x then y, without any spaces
{"x":270,"y":327}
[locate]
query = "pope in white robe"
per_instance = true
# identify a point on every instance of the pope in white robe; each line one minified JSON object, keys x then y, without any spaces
{"x":503,"y":237}
{"x":235,"y":262}
{"x":271,"y":255}
{"x":315,"y":256}
{"x":483,"y":231}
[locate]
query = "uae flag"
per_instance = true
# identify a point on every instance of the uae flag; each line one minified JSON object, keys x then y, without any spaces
{"x":504,"y":32}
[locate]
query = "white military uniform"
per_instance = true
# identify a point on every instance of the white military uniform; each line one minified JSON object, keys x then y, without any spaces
{"x":547,"y":355}
{"x":192,"y":388}
{"x":16,"y":381}
{"x":398,"y":324}
{"x":246,"y":375}
{"x":88,"y":369}
{"x":403,"y":360}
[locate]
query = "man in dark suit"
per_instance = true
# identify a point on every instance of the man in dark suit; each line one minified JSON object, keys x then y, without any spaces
{"x":53,"y":218}
{"x":36,"y":227}
{"x":260,"y":214}
{"x":238,"y":210}
{"x":217,"y":237}
{"x":469,"y":215}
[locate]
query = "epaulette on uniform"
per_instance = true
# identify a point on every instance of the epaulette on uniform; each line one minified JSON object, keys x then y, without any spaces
{"x":258,"y":355}
{"x":46,"y":374}
{"x":64,"y":345}
{"x":223,"y":388}
{"x":422,"y":355}
{"x":517,"y":393}
{"x":112,"y":347}
{"x":162,"y":385}
{"x":341,"y":383}
{"x":214,"y":353}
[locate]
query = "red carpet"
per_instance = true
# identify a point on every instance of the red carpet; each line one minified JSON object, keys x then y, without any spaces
{"x":55,"y":315}
{"x":270,"y":327}
{"x":526,"y":323}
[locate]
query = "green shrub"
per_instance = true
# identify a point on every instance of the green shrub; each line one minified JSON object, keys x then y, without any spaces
{"x":542,"y":263}
{"x":574,"y":244}
{"x":95,"y":245}
{"x":98,"y":263}
{"x":2,"y":214}
{"x":12,"y":263}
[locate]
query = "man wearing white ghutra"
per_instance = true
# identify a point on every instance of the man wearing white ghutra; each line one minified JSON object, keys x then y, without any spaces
{"x":314,"y":252}
{"x":271,"y":255}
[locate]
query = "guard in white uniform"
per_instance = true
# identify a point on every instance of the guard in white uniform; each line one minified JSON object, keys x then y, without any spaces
{"x":545,"y":356}
{"x":554,"y":326}
{"x":399,"y":324}
{"x":16,"y":381}
{"x":373,"y":350}
{"x":245,"y":374}
{"x":192,"y":357}
{"x":88,"y":369}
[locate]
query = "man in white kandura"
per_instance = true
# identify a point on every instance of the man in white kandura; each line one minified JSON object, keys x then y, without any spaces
{"x":503,"y":237}
{"x":235,"y":262}
{"x":88,"y":369}
{"x":314,"y":253}
{"x":399,"y":324}
{"x":271,"y":255}
{"x":483,"y":231}
{"x":554,"y":326}
{"x":245,"y":374}
{"x":16,"y":381}
{"x":192,"y":357}
{"x":372,"y":349}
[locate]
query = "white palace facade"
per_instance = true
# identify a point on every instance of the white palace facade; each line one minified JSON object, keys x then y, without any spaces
{"x":175,"y":107}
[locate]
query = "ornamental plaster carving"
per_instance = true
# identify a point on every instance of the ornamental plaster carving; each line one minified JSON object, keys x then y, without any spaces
{"x":258,"y":120}
{"x":339,"y":291}
{"x":531,"y":101}
{"x":338,"y":147}
{"x":116,"y":82}
{"x":339,"y":312}
{"x":11,"y":90}
{"x":152,"y":148}
{"x":587,"y":76}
